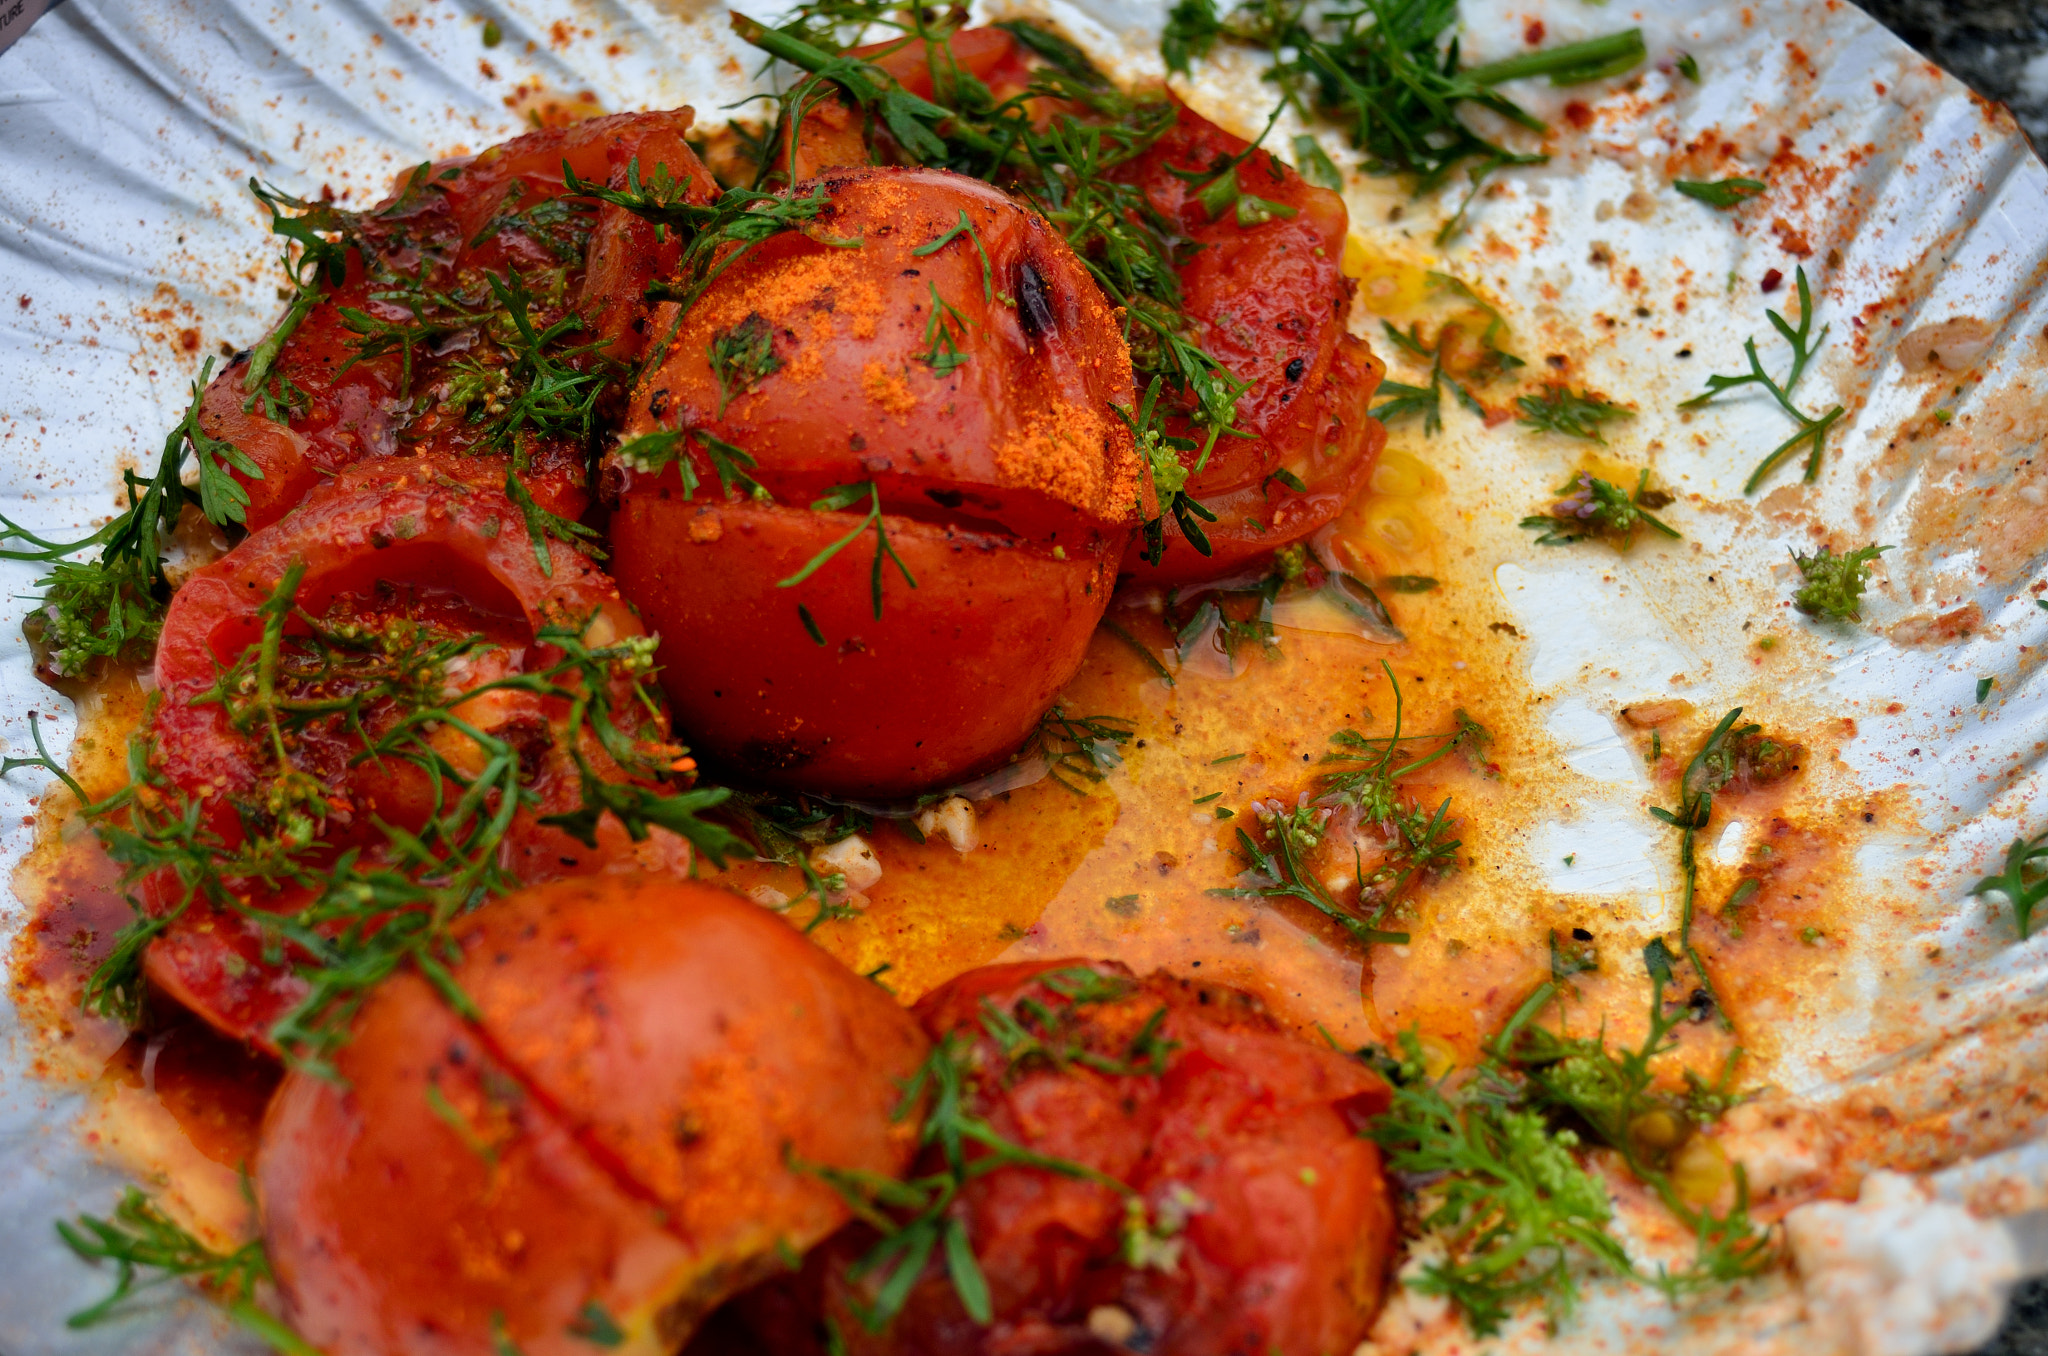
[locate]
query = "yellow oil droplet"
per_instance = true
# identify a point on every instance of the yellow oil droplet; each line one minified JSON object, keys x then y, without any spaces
{"x":1656,"y":1129}
{"x":1400,"y":476}
{"x":1395,"y":527}
{"x":1355,"y":258}
{"x":1390,"y":286}
{"x":1439,"y":1056}
{"x":1700,"y":1171}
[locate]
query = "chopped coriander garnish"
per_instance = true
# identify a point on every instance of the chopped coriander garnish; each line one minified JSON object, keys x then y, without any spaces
{"x":1833,"y":585}
{"x":1124,"y":906}
{"x":1688,"y":66}
{"x":1408,"y":583}
{"x":1984,"y":686}
{"x":1204,"y":800}
{"x":1226,"y":758}
{"x":1813,"y":432}
{"x":1721,"y":192}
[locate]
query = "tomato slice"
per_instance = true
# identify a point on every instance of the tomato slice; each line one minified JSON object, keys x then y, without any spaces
{"x":435,"y":549}
{"x":1265,"y":297}
{"x":1331,"y":451}
{"x":330,"y":404}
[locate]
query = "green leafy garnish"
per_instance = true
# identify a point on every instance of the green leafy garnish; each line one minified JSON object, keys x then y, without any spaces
{"x":1832,"y":586}
{"x":942,"y":354}
{"x":837,"y":499}
{"x":1730,"y":753}
{"x":1575,"y":414}
{"x":1593,"y":507}
{"x":914,"y":1217}
{"x":1382,"y":72}
{"x":741,"y":355}
{"x":142,"y":1238}
{"x":1688,"y":67}
{"x":1813,"y":432}
{"x":367,"y":912}
{"x":1721,"y":192}
{"x":2024,"y":882}
{"x":1078,"y":749}
{"x":112,"y":606}
{"x":1504,"y":1190}
{"x":1065,"y":168}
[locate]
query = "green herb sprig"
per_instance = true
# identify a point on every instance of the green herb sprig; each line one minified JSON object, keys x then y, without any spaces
{"x":1831,"y":586}
{"x":838,"y":499}
{"x":1383,"y":72}
{"x":1722,"y":192}
{"x":2024,"y":882}
{"x":1575,"y":414}
{"x":1813,"y":431}
{"x":1593,"y":507}
{"x":140,"y":1238}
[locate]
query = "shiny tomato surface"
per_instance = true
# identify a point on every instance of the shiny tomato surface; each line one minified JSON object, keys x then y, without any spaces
{"x":1266,"y":296}
{"x":1266,"y":1222}
{"x":344,"y":390}
{"x":986,"y":431}
{"x":399,"y":543}
{"x":610,"y":1147}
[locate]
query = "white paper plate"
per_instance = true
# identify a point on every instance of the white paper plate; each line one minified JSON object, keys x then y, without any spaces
{"x":130,"y":250}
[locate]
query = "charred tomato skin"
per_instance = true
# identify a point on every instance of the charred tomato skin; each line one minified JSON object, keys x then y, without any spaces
{"x":616,"y":1125}
{"x":416,"y":526}
{"x":1241,"y":1141}
{"x":1007,"y":483}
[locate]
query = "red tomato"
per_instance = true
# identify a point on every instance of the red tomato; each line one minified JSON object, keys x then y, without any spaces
{"x":831,"y":134}
{"x":1269,"y":301}
{"x":1267,"y":1219}
{"x":401,"y":540}
{"x":352,"y":408}
{"x":1007,"y":483}
{"x":613,"y":1141}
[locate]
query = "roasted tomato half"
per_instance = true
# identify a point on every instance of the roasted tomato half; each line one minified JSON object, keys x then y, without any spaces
{"x":635,"y":1123}
{"x":873,"y":496}
{"x":408,"y":349}
{"x":354,"y":712}
{"x":1265,"y":295}
{"x":1214,"y":1195}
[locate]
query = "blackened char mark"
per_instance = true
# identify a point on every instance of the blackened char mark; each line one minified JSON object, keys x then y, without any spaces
{"x":1034,"y":307}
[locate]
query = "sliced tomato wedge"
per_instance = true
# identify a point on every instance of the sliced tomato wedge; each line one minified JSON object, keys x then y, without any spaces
{"x":1330,"y":452}
{"x":398,"y":553}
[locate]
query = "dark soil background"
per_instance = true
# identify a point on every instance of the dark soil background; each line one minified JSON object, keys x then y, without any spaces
{"x":1989,"y":44}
